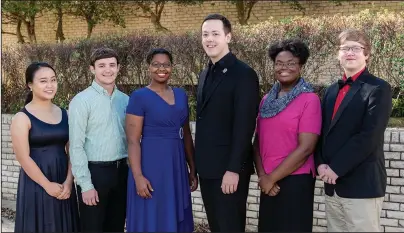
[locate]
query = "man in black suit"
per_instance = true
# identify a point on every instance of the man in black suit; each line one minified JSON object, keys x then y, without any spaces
{"x":350,"y":157}
{"x":227,"y":107}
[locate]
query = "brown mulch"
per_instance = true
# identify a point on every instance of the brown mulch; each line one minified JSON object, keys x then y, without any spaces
{"x":201,"y":227}
{"x":8,"y":213}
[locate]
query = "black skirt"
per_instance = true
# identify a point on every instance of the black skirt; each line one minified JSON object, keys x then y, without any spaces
{"x":292,"y":209}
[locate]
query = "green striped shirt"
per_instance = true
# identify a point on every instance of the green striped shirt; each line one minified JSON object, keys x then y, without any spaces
{"x":96,"y":130}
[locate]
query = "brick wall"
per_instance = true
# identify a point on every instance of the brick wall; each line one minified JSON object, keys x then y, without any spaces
{"x":183,"y":18}
{"x":9,"y":165}
{"x":393,"y":207}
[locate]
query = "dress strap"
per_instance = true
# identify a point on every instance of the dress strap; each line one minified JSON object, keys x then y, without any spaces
{"x":24,"y":110}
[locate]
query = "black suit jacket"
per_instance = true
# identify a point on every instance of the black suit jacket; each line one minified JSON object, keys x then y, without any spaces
{"x":352,"y":143}
{"x":226,"y":119}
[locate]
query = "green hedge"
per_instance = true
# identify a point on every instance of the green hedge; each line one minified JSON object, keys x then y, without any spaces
{"x":249,"y":43}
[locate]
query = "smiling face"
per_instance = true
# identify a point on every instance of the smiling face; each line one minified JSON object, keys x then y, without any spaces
{"x":44,"y":84}
{"x":214,"y":39}
{"x":351,"y":56}
{"x":287,"y":68}
{"x":105,"y":71}
{"x":160,"y":68}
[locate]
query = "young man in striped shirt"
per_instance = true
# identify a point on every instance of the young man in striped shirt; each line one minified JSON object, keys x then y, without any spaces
{"x":98,"y":147}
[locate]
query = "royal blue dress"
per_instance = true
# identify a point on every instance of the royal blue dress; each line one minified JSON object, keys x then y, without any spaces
{"x":163,"y":164}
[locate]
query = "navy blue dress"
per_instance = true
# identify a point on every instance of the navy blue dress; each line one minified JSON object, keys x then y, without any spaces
{"x":163,"y":163}
{"x":36,"y":210}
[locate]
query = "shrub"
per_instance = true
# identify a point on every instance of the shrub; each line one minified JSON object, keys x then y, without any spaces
{"x":250,"y":43}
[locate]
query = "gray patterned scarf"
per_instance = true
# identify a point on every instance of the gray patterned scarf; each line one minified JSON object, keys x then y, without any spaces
{"x":272,"y":106}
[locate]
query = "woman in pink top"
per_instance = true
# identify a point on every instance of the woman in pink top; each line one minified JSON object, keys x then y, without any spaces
{"x":288,"y":126}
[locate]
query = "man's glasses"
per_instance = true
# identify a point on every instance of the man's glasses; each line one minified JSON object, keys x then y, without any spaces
{"x":355,"y":49}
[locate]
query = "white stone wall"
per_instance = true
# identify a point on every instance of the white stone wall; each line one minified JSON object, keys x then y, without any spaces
{"x":9,"y":165}
{"x":393,"y":207}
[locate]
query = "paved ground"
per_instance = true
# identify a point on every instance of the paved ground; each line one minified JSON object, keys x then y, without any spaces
{"x":8,"y":207}
{"x":7,"y":225}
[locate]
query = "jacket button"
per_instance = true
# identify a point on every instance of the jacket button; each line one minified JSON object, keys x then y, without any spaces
{"x":199,"y":118}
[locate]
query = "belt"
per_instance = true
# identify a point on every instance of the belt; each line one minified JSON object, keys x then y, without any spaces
{"x":116,"y":162}
{"x":163,"y":132}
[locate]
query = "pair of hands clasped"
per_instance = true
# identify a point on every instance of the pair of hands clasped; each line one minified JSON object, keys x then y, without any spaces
{"x":144,"y":188}
{"x":59,"y":191}
{"x":268,"y":185}
{"x":327,"y":174}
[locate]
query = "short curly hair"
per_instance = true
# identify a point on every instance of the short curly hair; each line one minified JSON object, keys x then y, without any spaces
{"x":295,"y":46}
{"x":156,"y":51}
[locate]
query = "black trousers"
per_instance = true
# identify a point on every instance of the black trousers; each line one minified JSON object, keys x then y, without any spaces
{"x":110,"y":181}
{"x":225,"y":212}
{"x":292,"y":209}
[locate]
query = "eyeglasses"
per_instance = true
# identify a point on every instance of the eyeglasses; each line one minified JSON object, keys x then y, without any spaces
{"x":289,"y":65}
{"x":355,"y":49}
{"x":158,"y":65}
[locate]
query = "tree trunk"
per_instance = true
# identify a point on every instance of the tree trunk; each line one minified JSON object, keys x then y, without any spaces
{"x":242,"y":20}
{"x":60,"y":37}
{"x":31,"y":29}
{"x":244,"y":9}
{"x":31,"y":23}
{"x":155,"y":20}
{"x":90,"y":27}
{"x":18,"y":32}
{"x":240,"y":12}
{"x":155,"y":17}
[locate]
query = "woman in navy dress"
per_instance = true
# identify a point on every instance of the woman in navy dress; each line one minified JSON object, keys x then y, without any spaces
{"x":160,"y":149}
{"x":46,"y":196}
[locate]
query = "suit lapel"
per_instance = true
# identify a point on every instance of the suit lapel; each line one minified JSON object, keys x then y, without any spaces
{"x":222,"y":70}
{"x":213,"y":87}
{"x":202,"y":78}
{"x":356,"y":86}
{"x":332,"y":97}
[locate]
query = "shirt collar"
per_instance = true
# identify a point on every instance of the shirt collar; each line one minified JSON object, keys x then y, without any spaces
{"x":355,"y":76}
{"x":224,"y":61}
{"x":102,"y":90}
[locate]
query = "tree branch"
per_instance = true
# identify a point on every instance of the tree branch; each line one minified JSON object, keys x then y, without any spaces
{"x":250,"y":7}
{"x":144,"y":7}
{"x":10,"y":33}
{"x":161,"y":9}
{"x":143,"y":16}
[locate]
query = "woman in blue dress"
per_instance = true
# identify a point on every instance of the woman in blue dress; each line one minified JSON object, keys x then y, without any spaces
{"x":46,"y":196}
{"x":160,"y":149}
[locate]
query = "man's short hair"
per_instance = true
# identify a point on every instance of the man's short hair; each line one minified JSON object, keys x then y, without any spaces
{"x":357,"y":36}
{"x":102,"y":53}
{"x":225,"y":21}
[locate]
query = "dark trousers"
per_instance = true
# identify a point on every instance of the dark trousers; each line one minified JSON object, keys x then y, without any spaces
{"x":292,"y":209}
{"x":110,"y":181}
{"x":225,"y":212}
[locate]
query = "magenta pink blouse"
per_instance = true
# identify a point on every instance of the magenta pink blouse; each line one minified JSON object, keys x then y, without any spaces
{"x":278,"y":136}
